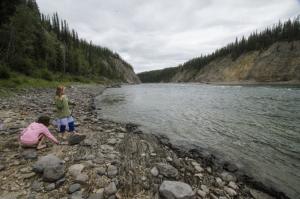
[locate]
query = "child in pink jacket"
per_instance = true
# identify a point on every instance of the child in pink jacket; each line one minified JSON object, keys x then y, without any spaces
{"x":35,"y":134}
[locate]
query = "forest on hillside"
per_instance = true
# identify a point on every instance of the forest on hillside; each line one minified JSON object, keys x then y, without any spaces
{"x":288,"y":31}
{"x":45,"y":47}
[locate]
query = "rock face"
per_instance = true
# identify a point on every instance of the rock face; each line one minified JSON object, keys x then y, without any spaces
{"x":176,"y":190}
{"x":51,"y":167}
{"x":277,"y":63}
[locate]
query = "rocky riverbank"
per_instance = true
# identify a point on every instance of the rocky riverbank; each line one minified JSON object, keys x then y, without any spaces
{"x":114,"y":161}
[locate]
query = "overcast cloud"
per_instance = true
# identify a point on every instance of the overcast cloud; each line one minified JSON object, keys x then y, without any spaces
{"x":153,"y":34}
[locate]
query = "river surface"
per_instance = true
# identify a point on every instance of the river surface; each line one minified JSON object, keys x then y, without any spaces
{"x":257,"y":127}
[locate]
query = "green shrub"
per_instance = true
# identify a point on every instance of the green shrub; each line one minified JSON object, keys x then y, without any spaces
{"x":4,"y":72}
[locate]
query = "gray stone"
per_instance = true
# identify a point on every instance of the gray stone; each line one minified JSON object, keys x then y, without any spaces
{"x":51,"y":167}
{"x":176,"y":190}
{"x":96,"y":196}
{"x":230,"y":191}
{"x":60,"y":182}
{"x":110,"y":189}
{"x":167,"y":170}
{"x":37,"y":186}
{"x":82,"y":178}
{"x":112,"y":141}
{"x":112,"y":171}
{"x":154,"y":171}
{"x":76,"y":169}
{"x":227,"y":177}
{"x":50,"y":187}
{"x":201,"y":193}
{"x":29,"y":154}
{"x":76,"y":195}
{"x":101,"y":171}
{"x":232,"y":185}
{"x":74,"y":187}
{"x":204,"y":188}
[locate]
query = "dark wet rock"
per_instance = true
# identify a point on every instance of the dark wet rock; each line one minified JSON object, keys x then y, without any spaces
{"x":176,"y":190}
{"x":50,"y":187}
{"x":76,"y":139}
{"x":74,"y":187}
{"x":51,"y":167}
{"x":2,"y":167}
{"x":260,"y":195}
{"x":37,"y":186}
{"x":167,"y":170}
{"x":29,"y":154}
{"x":230,"y":167}
{"x":110,"y":189}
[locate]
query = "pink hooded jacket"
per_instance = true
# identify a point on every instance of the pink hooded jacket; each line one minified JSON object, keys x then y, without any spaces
{"x":34,"y":132}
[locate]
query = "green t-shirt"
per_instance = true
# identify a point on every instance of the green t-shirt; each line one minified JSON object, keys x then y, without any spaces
{"x":62,"y":107}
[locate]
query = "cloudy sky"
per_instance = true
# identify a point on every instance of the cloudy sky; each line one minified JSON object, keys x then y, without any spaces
{"x":153,"y":34}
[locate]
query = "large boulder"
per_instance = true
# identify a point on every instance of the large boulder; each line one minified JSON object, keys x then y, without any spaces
{"x":176,"y":190}
{"x":51,"y":167}
{"x":167,"y":170}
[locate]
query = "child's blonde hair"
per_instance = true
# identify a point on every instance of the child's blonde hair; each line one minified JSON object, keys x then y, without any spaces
{"x":60,"y":90}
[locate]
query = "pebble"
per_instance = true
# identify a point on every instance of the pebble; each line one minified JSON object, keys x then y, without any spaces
{"x":201,"y":193}
{"x":167,"y":170}
{"x":208,"y":169}
{"x":74,"y":187}
{"x":60,"y":182}
{"x":227,"y":177}
{"x":232,"y":185}
{"x":110,"y":189}
{"x":219,"y":182}
{"x":2,"y":167}
{"x":37,"y":186}
{"x":50,"y":187}
{"x":154,"y":171}
{"x":199,"y":168}
{"x":101,"y":171}
{"x":199,"y":175}
{"x":76,"y":169}
{"x":96,"y":196}
{"x":204,"y":188}
{"x":230,"y":191}
{"x":82,"y":178}
{"x":112,"y":141}
{"x":112,"y":171}
{"x":29,"y":154}
{"x":176,"y":190}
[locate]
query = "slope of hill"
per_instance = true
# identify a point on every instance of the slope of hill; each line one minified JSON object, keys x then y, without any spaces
{"x":270,"y":56}
{"x":40,"y":46}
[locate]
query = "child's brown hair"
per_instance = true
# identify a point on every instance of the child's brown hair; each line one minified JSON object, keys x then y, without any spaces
{"x":59,"y":90}
{"x":44,"y":120}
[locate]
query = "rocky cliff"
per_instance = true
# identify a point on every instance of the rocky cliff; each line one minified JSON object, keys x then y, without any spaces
{"x":279,"y":62}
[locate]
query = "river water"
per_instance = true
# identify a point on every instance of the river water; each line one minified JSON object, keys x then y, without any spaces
{"x":257,"y":127}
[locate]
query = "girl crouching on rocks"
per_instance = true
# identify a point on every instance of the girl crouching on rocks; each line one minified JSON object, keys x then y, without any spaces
{"x":34,"y":135}
{"x":65,"y":121}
